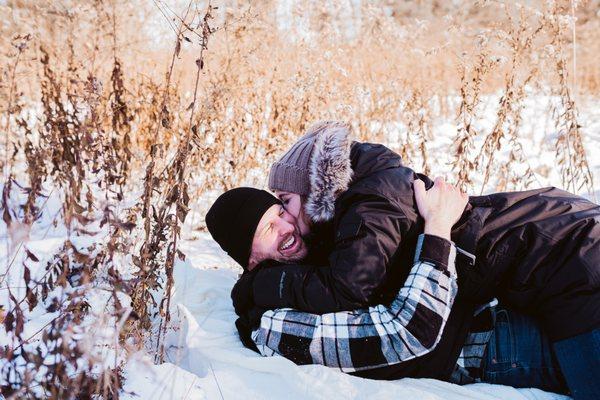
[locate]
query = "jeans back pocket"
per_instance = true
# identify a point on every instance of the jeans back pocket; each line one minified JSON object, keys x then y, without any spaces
{"x":501,"y":346}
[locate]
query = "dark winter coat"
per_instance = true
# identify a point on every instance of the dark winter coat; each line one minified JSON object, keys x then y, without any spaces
{"x":537,"y":251}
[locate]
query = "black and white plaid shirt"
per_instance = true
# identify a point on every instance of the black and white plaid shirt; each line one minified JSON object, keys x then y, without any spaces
{"x":374,"y":337}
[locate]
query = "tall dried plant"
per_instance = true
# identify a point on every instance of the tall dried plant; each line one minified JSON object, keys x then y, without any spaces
{"x":131,"y":152}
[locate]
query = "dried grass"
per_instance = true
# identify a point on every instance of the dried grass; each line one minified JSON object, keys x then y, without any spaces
{"x":117,"y":117}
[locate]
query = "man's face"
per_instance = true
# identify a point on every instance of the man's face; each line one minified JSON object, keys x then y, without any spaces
{"x":277,"y":238}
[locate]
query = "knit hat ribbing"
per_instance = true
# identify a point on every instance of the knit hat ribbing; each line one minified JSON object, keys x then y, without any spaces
{"x":291,"y":173}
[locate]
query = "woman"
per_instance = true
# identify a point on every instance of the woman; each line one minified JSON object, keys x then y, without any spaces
{"x":537,"y":251}
{"x":408,"y":328}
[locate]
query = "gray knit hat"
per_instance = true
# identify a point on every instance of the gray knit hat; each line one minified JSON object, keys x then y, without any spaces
{"x":291,"y":173}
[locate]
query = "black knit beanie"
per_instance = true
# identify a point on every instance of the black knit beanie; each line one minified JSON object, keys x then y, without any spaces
{"x":233,"y":218}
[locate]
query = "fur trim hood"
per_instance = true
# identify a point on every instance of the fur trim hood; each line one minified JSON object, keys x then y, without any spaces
{"x":330,"y":169}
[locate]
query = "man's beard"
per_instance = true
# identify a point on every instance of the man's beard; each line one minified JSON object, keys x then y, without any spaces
{"x":294,"y":259}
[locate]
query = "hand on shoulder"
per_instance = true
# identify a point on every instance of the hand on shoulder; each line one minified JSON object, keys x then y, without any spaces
{"x":441,"y":206}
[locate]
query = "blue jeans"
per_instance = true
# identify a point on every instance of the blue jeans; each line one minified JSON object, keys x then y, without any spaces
{"x":519,"y":354}
{"x":579,"y":359}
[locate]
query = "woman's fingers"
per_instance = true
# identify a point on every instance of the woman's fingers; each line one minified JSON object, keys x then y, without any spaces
{"x":419,"y":187}
{"x":443,"y":203}
{"x":439,"y":181}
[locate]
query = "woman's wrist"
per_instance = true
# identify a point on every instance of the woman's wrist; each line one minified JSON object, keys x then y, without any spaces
{"x":437,"y":228}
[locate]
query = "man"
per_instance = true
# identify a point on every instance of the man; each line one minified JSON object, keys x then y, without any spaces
{"x":373,"y":340}
{"x":413,"y":323}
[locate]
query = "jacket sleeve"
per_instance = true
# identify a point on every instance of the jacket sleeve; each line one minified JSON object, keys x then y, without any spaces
{"x":411,"y":326}
{"x":367,"y":236}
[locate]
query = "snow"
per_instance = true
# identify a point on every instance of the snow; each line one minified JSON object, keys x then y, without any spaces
{"x":165,"y":381}
{"x":206,"y":360}
{"x":204,"y":356}
{"x":206,"y":353}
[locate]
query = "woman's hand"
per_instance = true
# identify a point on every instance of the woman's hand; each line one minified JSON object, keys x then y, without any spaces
{"x":441,"y":206}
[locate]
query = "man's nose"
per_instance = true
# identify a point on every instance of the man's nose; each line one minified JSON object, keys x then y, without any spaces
{"x":289,"y":218}
{"x":284,"y":226}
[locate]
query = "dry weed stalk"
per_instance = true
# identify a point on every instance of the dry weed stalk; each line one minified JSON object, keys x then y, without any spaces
{"x":163,"y":217}
{"x":471,"y":78}
{"x":178,"y":196}
{"x":521,"y":36}
{"x":570,"y":152}
{"x":417,"y":113}
{"x":131,"y":153}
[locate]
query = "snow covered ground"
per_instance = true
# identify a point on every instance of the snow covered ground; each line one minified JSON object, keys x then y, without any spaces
{"x":207,"y":360}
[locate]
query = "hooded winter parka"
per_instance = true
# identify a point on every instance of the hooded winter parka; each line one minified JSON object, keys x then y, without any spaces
{"x":538,"y":251}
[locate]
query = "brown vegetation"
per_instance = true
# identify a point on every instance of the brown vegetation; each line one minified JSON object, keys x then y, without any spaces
{"x":132,"y":134}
